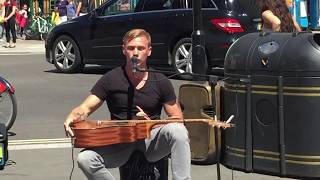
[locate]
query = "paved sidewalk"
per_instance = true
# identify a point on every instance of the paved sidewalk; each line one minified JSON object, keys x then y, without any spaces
{"x":23,"y":47}
{"x":56,"y":164}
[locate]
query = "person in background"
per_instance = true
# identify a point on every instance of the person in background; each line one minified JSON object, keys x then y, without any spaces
{"x":276,"y":16}
{"x":9,"y":15}
{"x":85,"y":6}
{"x":61,"y":7}
{"x":1,"y":8}
{"x":124,"y":6}
{"x":1,"y":21}
{"x":129,"y":94}
{"x":71,"y":10}
{"x":23,"y":19}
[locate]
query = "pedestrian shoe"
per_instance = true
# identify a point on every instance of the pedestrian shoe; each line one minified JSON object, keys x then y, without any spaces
{"x":12,"y":46}
{"x":6,"y":46}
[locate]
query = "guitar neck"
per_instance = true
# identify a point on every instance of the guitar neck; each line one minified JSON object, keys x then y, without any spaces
{"x":210,"y":122}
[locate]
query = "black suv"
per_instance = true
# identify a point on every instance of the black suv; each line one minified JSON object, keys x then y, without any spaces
{"x":96,"y":38}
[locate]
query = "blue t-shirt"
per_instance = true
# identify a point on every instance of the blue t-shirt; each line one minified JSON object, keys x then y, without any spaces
{"x":71,"y":11}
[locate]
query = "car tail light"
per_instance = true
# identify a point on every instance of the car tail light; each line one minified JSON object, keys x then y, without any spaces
{"x":228,"y":25}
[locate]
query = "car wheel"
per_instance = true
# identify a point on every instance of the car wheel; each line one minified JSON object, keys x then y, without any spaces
{"x":66,"y":55}
{"x":182,"y":56}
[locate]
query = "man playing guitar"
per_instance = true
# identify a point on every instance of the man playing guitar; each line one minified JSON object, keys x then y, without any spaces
{"x":127,"y":93}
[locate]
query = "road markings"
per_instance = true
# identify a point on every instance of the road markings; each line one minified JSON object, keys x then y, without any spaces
{"x":39,"y":144}
{"x":20,"y":53}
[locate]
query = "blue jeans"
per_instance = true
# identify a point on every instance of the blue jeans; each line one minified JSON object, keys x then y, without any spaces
{"x":171,"y":139}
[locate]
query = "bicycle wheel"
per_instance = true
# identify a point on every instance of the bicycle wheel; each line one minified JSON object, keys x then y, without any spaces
{"x":46,"y":29}
{"x":8,"y":109}
{"x":31,"y":31}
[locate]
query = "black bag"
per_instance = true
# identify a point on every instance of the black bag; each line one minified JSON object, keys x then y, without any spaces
{"x":3,"y":145}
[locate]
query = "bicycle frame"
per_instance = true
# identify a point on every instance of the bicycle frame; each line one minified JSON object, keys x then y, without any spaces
{"x":6,"y":86}
{"x":40,"y":24}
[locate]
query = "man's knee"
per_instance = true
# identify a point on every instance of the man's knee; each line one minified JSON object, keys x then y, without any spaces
{"x":87,"y":158}
{"x":177,"y":131}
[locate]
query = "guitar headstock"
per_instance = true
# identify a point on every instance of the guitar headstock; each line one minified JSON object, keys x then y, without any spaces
{"x":221,"y":124}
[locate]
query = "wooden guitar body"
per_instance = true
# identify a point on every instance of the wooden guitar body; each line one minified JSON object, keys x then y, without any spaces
{"x":93,"y":133}
{"x":89,"y":134}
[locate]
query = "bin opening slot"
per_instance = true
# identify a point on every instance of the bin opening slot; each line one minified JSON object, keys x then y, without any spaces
{"x":316,"y":38}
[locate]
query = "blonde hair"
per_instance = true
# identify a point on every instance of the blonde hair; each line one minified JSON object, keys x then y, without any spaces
{"x":134,"y":33}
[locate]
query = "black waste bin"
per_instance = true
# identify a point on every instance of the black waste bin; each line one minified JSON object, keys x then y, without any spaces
{"x":272,"y":87}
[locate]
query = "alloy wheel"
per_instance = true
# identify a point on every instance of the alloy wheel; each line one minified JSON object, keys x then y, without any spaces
{"x":64,"y":54}
{"x":183,"y":58}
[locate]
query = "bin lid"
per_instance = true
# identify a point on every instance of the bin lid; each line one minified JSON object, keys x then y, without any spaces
{"x":275,"y":54}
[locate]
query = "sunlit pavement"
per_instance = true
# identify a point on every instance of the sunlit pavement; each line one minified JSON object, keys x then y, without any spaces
{"x":23,"y":47}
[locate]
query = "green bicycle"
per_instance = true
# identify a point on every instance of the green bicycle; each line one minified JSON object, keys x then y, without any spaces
{"x":38,"y":26}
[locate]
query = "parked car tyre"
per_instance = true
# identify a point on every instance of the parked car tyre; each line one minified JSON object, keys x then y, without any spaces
{"x":182,"y":55}
{"x":66,"y":55}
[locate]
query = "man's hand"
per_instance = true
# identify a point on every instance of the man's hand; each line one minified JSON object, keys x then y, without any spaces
{"x":73,"y":117}
{"x":141,"y":114}
{"x":89,"y":105}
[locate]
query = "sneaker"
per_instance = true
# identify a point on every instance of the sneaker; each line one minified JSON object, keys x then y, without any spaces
{"x":6,"y":46}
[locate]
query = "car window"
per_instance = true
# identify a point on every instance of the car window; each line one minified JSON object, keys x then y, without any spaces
{"x":205,"y":4}
{"x":120,"y":7}
{"x":152,"y":5}
{"x":249,"y":7}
